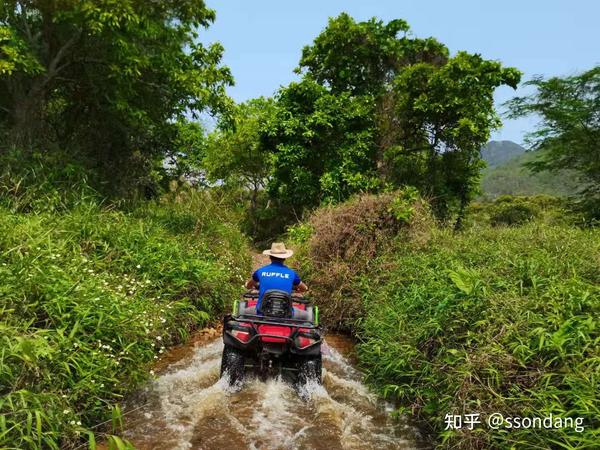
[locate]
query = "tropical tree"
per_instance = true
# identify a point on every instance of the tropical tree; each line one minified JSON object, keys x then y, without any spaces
{"x":106,"y":80}
{"x":569,"y":131}
{"x":378,"y":107}
{"x":323,"y":146}
{"x":236,"y":156}
{"x":443,"y":115}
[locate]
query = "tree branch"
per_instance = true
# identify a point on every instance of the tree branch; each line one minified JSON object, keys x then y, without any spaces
{"x":53,"y":68}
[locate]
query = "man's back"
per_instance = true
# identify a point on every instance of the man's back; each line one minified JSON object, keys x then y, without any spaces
{"x":275,"y":276}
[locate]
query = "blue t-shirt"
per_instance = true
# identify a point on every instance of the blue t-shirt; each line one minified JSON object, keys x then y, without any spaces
{"x":275,"y":276}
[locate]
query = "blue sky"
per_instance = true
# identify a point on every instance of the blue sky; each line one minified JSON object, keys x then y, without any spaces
{"x":263,"y":38}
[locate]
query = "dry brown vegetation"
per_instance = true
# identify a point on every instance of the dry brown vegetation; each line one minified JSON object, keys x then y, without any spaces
{"x":344,"y":241}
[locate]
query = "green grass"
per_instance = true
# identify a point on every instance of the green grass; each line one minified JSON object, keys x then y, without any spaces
{"x":91,"y":296}
{"x":499,"y":319}
{"x":495,"y":318}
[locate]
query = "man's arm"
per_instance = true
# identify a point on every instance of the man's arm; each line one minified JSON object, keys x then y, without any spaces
{"x":251,"y":284}
{"x":301,"y":287}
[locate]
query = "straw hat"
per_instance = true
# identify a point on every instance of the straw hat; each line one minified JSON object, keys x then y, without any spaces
{"x":278,"y":250}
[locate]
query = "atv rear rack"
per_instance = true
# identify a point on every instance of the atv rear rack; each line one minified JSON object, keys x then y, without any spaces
{"x":251,"y":318}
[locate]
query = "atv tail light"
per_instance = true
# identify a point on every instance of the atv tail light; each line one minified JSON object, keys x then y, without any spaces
{"x":303,"y":342}
{"x":242,"y":336}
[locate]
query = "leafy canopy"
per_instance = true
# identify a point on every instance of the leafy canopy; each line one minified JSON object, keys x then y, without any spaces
{"x":569,"y":131}
{"x":323,"y":145}
{"x":107,"y":80}
{"x":378,"y":108}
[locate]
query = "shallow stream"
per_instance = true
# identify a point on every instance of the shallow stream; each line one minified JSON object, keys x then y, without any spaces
{"x":189,"y":407}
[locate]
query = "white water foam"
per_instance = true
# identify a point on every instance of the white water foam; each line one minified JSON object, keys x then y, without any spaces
{"x":192,"y":403}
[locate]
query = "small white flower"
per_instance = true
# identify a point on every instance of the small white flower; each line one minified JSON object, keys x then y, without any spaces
{"x":159,"y":338}
{"x":66,"y":411}
{"x":79,"y":422}
{"x":138,"y":266}
{"x":72,"y":422}
{"x":152,"y":372}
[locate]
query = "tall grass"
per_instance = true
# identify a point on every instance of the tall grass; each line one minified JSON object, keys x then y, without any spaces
{"x":91,"y":296}
{"x":493,"y":319}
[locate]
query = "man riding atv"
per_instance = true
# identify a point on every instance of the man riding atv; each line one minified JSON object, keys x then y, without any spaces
{"x":276,"y":276}
{"x":272,"y":331}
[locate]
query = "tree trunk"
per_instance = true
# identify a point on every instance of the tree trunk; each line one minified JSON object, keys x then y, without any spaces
{"x":28,"y":123}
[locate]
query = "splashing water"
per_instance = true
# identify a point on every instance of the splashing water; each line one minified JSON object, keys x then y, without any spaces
{"x":189,"y":407}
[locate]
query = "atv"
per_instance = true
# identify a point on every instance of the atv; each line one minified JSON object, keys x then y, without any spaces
{"x":284,"y":339}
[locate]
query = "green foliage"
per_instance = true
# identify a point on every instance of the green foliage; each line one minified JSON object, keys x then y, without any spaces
{"x":513,"y":211}
{"x":444,"y":114}
{"x":322,"y":145}
{"x":14,"y":55}
{"x":338,"y":245}
{"x":43,"y":182}
{"x":517,"y":210}
{"x":375,"y":109}
{"x":108,"y":82}
{"x":489,"y":320}
{"x":569,"y":132}
{"x":402,"y":206}
{"x":236,"y":156}
{"x":234,"y":153}
{"x":90,"y":296}
{"x":346,"y":45}
{"x":186,"y":160}
{"x":299,"y":233}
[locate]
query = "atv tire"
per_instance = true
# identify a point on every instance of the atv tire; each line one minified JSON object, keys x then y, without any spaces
{"x":309,"y":369}
{"x":232,"y":362}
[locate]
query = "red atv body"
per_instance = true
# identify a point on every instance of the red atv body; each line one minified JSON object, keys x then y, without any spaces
{"x":284,"y":340}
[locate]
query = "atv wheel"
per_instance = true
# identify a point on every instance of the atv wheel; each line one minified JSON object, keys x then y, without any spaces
{"x":232,"y":362}
{"x":309,"y":369}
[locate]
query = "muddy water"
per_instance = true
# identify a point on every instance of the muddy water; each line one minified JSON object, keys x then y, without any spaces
{"x":189,"y":407}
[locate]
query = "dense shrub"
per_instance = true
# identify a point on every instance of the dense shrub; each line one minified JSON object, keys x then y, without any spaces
{"x":339,"y":243}
{"x":513,"y":213}
{"x":51,"y":182}
{"x":511,"y":210}
{"x":90,"y":296}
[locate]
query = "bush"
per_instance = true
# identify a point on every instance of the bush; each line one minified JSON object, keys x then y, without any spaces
{"x":513,"y":213}
{"x":517,"y":210}
{"x":90,"y":296}
{"x":338,"y":245}
{"x":51,"y":182}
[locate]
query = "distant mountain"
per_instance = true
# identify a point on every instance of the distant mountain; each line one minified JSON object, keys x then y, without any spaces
{"x":498,"y":152}
{"x":506,"y":173}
